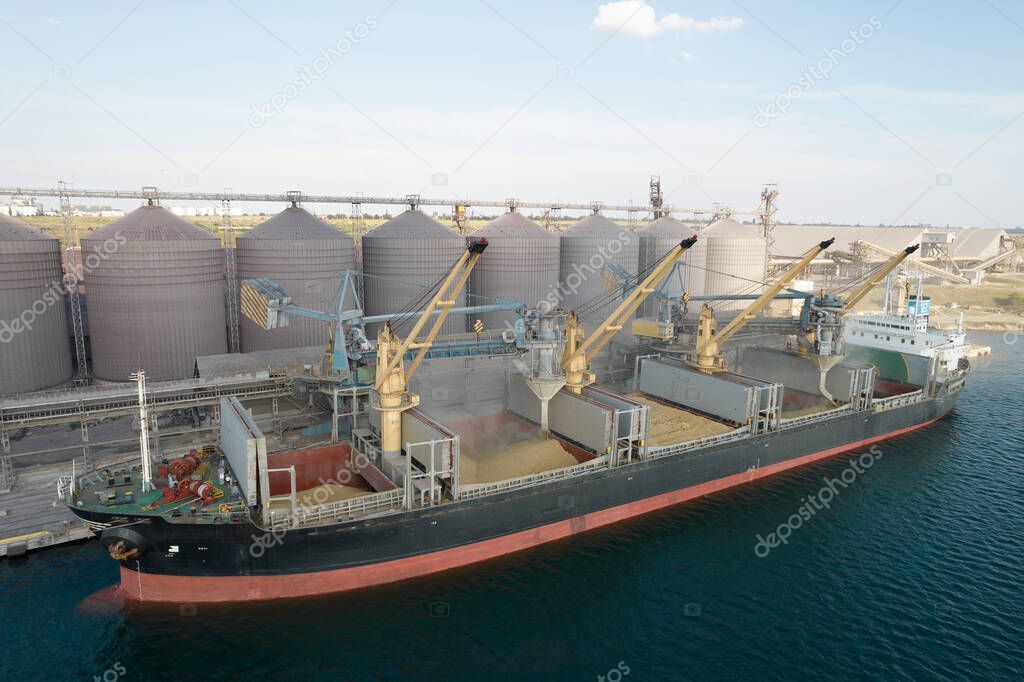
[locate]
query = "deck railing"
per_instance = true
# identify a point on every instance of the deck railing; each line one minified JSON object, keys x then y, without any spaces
{"x":880,"y":404}
{"x":471,"y":490}
{"x":824,"y":415}
{"x":338,"y":511}
{"x":665,"y":450}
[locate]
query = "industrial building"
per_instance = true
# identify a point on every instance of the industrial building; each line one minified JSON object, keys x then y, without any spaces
{"x":965,"y":253}
{"x":156,"y":291}
{"x":307,"y":257}
{"x":521,"y":263}
{"x":734,"y":257}
{"x":586,"y":248}
{"x":656,"y":239}
{"x":153,"y":283}
{"x":34,"y":349}
{"x":403,"y":259}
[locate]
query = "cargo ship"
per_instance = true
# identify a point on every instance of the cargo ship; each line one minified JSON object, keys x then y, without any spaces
{"x":500,"y":446}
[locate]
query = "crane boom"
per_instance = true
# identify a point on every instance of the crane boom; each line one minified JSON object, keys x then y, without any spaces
{"x":391,"y":396}
{"x":443,"y":299}
{"x":709,"y":343}
{"x":579,"y":350}
{"x":879,"y":275}
{"x":930,"y":269}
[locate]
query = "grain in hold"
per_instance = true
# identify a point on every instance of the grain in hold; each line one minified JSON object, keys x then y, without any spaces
{"x":671,"y":425}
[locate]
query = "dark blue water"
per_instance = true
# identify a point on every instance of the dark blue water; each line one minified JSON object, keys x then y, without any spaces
{"x":916,"y":571}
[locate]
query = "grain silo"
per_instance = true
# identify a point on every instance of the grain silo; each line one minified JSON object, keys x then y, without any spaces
{"x":586,"y":248}
{"x":304,"y":255}
{"x":658,"y":238}
{"x":403,"y":258}
{"x":735,"y":261}
{"x":35,"y":352}
{"x":155,"y":291}
{"x":519,"y":264}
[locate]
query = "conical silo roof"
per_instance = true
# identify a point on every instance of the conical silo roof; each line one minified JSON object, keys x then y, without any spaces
{"x":594,"y":225}
{"x":414,"y":223}
{"x":668,"y":227}
{"x":307,"y":257}
{"x":34,"y":349}
{"x":12,"y":230}
{"x":727,"y":227}
{"x":150,"y":224}
{"x":514,"y":224}
{"x":294,"y":222}
{"x":519,"y":264}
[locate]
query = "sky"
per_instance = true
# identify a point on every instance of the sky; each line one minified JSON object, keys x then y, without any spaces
{"x":894,"y":112}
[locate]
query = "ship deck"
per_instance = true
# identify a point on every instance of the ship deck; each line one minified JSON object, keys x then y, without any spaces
{"x":119,"y":490}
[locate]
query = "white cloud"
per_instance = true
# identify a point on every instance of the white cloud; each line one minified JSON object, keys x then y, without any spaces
{"x":686,"y":56}
{"x":53,"y":22}
{"x":637,"y":19}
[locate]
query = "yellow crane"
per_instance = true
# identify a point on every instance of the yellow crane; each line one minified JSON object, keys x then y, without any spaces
{"x":879,"y":275}
{"x":822,"y":320}
{"x":579,"y":351}
{"x":710,"y":340}
{"x":924,"y":267}
{"x":391,"y":393}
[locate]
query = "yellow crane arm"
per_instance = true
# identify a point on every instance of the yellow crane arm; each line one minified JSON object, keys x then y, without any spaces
{"x":444,"y":299}
{"x":709,"y":342}
{"x":577,"y":355}
{"x":879,"y":275}
{"x":919,"y":264}
{"x":740,"y":320}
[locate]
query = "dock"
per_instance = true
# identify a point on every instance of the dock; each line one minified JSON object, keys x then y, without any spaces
{"x":974,"y":350}
{"x":31,"y":516}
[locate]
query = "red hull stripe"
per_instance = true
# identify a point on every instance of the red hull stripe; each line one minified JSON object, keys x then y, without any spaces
{"x":174,"y":588}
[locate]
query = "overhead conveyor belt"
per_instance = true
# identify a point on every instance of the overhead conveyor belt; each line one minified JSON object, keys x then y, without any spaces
{"x":148,"y":193}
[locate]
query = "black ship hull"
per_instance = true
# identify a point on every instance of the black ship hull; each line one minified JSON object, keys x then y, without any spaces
{"x":184,"y":562}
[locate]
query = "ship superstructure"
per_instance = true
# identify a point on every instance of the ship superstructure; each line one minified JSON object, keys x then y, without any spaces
{"x":900,"y":338}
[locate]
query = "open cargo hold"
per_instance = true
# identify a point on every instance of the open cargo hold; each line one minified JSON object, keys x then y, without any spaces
{"x":578,"y":418}
{"x":844,"y":382}
{"x":728,"y":396}
{"x":671,"y":425}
